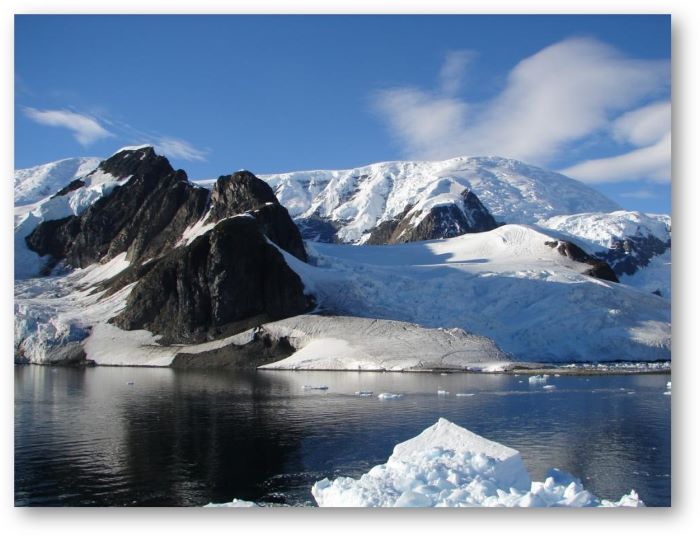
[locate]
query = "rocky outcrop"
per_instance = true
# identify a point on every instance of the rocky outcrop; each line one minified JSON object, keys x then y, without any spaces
{"x":242,"y":192}
{"x":143,"y":217}
{"x":599,"y":268}
{"x":227,"y":280}
{"x":465,"y":215}
{"x":627,"y":255}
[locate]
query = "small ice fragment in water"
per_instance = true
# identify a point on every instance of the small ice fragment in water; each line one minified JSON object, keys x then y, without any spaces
{"x":668,"y":385}
{"x":538,"y":379}
{"x":314,"y":387}
{"x":442,"y":392}
{"x":387,"y":396}
{"x":363,"y":393}
{"x":235,"y":503}
{"x":464,"y":394}
{"x":667,"y":392}
{"x":549,"y":387}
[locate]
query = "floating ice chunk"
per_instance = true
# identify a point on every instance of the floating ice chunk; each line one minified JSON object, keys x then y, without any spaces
{"x":447,"y":465}
{"x":235,"y":503}
{"x":667,"y":392}
{"x":538,"y":379}
{"x":363,"y":393}
{"x":464,"y":394}
{"x":314,"y":387}
{"x":442,"y":392}
{"x":668,"y":385}
{"x":388,"y":396}
{"x":549,"y":387}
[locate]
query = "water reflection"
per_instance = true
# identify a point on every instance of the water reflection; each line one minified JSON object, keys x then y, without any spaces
{"x":121,"y":436}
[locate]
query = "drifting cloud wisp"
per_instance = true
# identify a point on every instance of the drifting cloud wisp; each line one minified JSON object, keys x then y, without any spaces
{"x":558,"y":96}
{"x":86,"y":129}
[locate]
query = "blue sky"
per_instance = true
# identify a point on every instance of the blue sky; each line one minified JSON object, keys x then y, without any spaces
{"x":587,"y":95}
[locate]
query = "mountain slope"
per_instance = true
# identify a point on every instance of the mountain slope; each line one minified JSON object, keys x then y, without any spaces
{"x":637,"y":246}
{"x":507,"y":284}
{"x":354,"y":201}
{"x":35,"y":183}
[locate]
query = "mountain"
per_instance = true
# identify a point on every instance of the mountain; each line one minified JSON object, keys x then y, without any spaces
{"x":35,"y":183}
{"x":346,"y":205}
{"x":147,"y":267}
{"x":637,"y":246}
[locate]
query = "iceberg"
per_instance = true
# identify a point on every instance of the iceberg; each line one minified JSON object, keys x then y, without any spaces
{"x":449,"y":466}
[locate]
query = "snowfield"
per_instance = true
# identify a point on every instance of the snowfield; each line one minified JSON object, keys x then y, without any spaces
{"x":506,"y":284}
{"x":350,"y":343}
{"x":449,"y":466}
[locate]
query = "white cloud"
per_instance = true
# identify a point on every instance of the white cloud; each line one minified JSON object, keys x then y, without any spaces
{"x":639,"y":194}
{"x":648,"y":163}
{"x":551,"y":99}
{"x":453,"y":70}
{"x":177,"y":148}
{"x":644,"y":126}
{"x":86,"y":129}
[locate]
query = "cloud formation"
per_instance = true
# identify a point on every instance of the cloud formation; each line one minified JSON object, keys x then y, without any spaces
{"x":177,"y":148}
{"x":556,"y":97}
{"x":454,"y":69}
{"x":648,"y":129}
{"x":86,"y":130}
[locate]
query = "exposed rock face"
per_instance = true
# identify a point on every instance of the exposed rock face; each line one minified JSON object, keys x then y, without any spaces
{"x":318,"y":229}
{"x":227,"y":280}
{"x":599,"y":268}
{"x":243,"y":192}
{"x":466,"y":215}
{"x":70,"y":187}
{"x":143,"y":217}
{"x":629,"y":254}
{"x":261,"y":350}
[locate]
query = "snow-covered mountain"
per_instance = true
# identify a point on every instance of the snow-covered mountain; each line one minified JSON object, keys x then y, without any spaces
{"x":637,"y":246}
{"x":35,"y":183}
{"x":158,"y":265}
{"x":355,"y":201}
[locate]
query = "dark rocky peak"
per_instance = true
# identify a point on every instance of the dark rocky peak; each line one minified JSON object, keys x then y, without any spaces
{"x":468,"y":215}
{"x":242,"y":192}
{"x":143,"y":217}
{"x":238,"y":193}
{"x":227,"y":280}
{"x":141,"y":161}
{"x":599,"y":268}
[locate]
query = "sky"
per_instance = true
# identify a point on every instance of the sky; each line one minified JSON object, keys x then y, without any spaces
{"x":589,"y":96}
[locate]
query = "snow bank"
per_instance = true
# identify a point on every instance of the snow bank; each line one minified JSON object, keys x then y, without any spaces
{"x":447,"y":465}
{"x":352,"y":343}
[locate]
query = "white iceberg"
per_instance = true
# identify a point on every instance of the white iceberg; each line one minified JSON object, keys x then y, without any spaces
{"x":538,"y":379}
{"x":447,"y":465}
{"x":389,"y":396}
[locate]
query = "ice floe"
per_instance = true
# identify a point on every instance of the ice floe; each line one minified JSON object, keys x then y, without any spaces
{"x":447,"y":465}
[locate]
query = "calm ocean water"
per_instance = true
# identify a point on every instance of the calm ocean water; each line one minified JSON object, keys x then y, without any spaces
{"x":139,"y":436}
